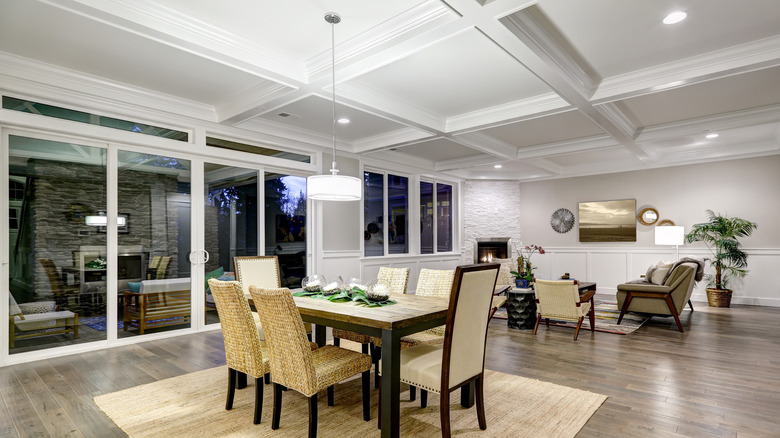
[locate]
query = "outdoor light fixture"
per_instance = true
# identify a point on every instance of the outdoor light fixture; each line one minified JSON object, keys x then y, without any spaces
{"x":333,"y":187}
{"x":101,"y":220}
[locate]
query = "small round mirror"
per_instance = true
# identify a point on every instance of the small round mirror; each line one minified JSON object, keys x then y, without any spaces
{"x":648,"y":216}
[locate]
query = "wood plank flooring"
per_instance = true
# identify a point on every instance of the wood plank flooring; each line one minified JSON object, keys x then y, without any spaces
{"x":719,"y":378}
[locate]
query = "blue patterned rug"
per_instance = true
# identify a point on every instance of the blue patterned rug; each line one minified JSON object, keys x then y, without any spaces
{"x":97,"y":322}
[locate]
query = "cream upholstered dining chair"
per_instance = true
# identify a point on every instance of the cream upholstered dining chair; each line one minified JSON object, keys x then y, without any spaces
{"x":460,"y":360}
{"x":560,"y":300}
{"x":295,"y":366}
{"x":397,"y":279}
{"x":244,"y":352}
{"x":430,"y":283}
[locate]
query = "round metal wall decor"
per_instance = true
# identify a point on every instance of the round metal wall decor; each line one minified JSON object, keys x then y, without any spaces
{"x":562,"y":220}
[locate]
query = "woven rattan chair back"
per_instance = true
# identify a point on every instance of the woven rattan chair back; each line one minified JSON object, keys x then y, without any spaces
{"x":435,"y":282}
{"x":260,"y":271}
{"x":396,"y":278}
{"x":558,"y":300}
{"x":239,"y":330}
{"x":290,"y":351}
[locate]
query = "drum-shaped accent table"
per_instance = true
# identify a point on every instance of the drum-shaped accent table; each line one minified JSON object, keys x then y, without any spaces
{"x":521,"y":308}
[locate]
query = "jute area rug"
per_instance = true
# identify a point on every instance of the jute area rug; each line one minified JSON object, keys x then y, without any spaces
{"x":193,"y":405}
{"x":606,"y":319}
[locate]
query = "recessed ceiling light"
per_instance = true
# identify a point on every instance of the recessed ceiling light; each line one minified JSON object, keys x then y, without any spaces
{"x":711,"y":136}
{"x":498,"y":166}
{"x":343,"y":120}
{"x":675,"y":17}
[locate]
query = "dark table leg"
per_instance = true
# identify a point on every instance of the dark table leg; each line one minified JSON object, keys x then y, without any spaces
{"x":320,"y":334}
{"x":467,"y":395}
{"x":391,"y":384}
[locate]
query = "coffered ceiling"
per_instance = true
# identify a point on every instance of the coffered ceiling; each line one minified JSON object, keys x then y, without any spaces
{"x":546,"y":89}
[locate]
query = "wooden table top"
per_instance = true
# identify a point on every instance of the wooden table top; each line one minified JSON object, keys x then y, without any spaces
{"x":408,"y":310}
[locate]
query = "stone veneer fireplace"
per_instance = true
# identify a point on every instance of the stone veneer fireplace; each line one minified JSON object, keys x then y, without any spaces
{"x":488,"y":248}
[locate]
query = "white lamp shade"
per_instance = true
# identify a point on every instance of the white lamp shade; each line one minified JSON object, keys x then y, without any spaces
{"x":102,"y":221}
{"x":669,"y":235}
{"x":334,"y":188}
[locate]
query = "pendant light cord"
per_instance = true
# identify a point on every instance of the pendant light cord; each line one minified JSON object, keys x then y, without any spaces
{"x":333,"y":18}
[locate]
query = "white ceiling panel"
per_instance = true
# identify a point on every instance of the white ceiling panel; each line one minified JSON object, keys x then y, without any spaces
{"x":544,"y":130}
{"x":438,"y":150}
{"x":461,"y":74}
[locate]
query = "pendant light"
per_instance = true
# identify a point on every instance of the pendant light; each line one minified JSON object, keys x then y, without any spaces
{"x":333,"y":187}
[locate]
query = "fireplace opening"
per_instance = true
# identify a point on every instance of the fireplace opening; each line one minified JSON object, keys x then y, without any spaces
{"x":488,"y":249}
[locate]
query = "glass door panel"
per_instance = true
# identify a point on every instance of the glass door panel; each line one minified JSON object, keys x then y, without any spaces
{"x":57,"y":268}
{"x":231,"y":218}
{"x":153,"y":236}
{"x":285,"y":225}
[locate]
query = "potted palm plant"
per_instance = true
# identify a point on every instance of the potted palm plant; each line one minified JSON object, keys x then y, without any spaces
{"x":721,"y":235}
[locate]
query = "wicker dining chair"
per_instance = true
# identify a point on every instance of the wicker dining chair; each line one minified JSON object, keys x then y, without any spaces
{"x":297,"y":367}
{"x":460,"y":360}
{"x":244,"y":353}
{"x":397,"y":279}
{"x":560,"y":300}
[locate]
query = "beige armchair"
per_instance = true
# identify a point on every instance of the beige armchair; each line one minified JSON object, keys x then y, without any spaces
{"x":561,"y":300}
{"x":666,"y":299}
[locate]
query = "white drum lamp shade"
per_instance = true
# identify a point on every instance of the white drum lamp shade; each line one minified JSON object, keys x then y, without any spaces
{"x":334,"y":188}
{"x":670,"y":235}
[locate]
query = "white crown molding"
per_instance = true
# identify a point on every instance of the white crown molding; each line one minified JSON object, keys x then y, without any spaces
{"x":382,"y":159}
{"x":390,"y":139}
{"x":618,"y":118}
{"x":296,"y":136}
{"x":532,"y":27}
{"x":487,"y":145}
{"x":465,"y":163}
{"x":736,"y":119}
{"x":720,"y":63}
{"x":566,"y":147}
{"x":75,"y":88}
{"x":178,"y":29}
{"x":249,"y":100}
{"x":525,"y":109}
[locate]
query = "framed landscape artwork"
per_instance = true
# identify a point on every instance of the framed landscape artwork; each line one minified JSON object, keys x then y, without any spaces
{"x":608,"y":221}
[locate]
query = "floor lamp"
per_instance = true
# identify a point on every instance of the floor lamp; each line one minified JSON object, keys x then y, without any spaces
{"x":670,"y":235}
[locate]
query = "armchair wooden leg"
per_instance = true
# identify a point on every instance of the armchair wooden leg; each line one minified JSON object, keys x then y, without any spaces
{"x":624,"y":309}
{"x":366,"y":395}
{"x":277,"y":406}
{"x":313,"y":416}
{"x":538,"y":319}
{"x":444,"y":413}
{"x":231,"y":388}
{"x":258,"y":399}
{"x":479,"y":389}
{"x":577,"y":330}
{"x":670,"y":303}
{"x":691,"y":305}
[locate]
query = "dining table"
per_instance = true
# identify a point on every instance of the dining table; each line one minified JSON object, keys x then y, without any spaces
{"x":409,"y":314}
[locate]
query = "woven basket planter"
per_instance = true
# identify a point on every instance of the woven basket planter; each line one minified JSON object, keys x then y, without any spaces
{"x":719,"y":297}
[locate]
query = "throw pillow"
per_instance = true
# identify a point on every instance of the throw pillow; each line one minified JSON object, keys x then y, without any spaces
{"x":659,"y":276}
{"x":134,"y":286}
{"x":214,"y":274}
{"x":649,"y":273}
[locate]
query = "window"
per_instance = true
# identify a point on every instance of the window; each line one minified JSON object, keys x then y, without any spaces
{"x":43,"y":109}
{"x":285,"y":229}
{"x":435,"y":217}
{"x":258,"y":150}
{"x":380,"y":204}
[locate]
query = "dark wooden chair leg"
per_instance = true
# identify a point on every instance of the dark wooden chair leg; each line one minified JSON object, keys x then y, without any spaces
{"x":241,"y":381}
{"x":376,"y":355}
{"x":547,"y":322}
{"x":231,"y":388}
{"x":577,"y":330}
{"x":479,"y":389}
{"x":423,"y":398}
{"x":367,"y":395}
{"x":258,"y":399}
{"x":538,"y":319}
{"x":412,"y":393}
{"x":624,"y":309}
{"x":379,"y":408}
{"x":691,"y":305}
{"x":277,"y":406}
{"x":670,"y":303}
{"x":444,"y":413}
{"x":331,"y":396}
{"x":364,"y":348}
{"x":267,"y":378}
{"x":313,"y":416}
{"x":337,"y":342}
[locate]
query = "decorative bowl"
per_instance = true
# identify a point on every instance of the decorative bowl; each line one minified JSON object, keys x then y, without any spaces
{"x":313,"y":283}
{"x":331,"y":288}
{"x":378,"y":292}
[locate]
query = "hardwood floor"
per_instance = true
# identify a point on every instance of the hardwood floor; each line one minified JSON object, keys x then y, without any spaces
{"x":719,"y":378}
